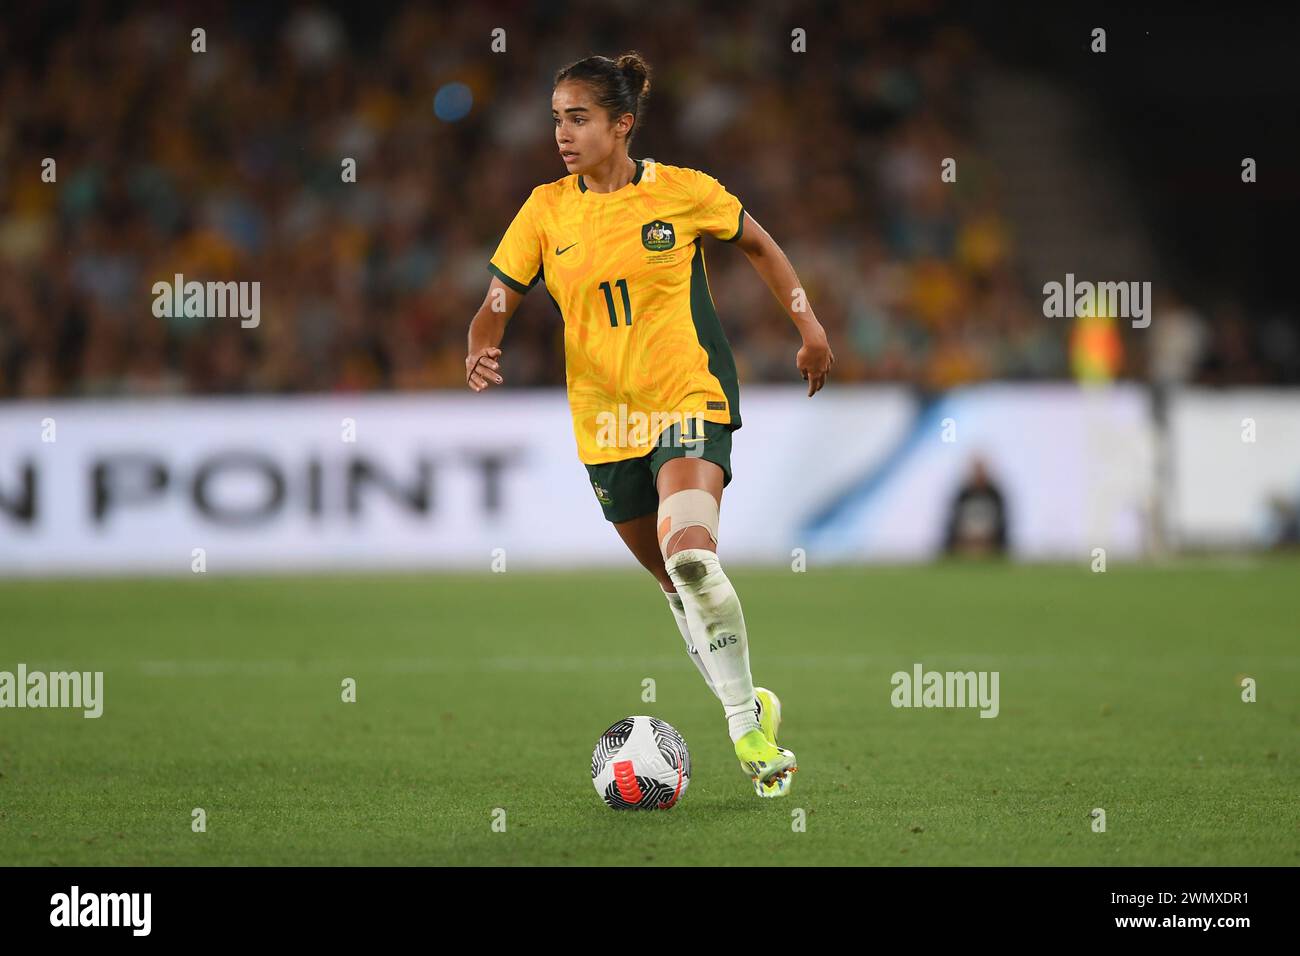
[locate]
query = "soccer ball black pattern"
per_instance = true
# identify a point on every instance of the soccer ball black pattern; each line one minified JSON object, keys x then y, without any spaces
{"x":671,"y":745}
{"x":654,"y":796}
{"x":640,"y":763}
{"x":610,"y":743}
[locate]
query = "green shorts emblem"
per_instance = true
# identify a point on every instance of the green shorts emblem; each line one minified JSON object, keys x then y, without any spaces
{"x":631,"y":482}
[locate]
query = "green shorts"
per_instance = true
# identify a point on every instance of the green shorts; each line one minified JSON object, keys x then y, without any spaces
{"x":626,"y":489}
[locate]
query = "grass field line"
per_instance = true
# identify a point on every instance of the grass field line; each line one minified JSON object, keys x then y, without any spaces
{"x":428,"y":665}
{"x":882,"y":664}
{"x":253,"y":667}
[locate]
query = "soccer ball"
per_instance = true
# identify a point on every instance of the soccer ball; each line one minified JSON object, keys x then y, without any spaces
{"x":641,"y":763}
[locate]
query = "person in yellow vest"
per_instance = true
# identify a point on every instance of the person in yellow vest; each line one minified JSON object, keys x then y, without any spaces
{"x":1096,"y":351}
{"x":652,"y":383}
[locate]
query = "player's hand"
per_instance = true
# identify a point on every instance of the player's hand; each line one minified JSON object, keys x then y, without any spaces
{"x":814,"y":361}
{"x":482,"y":368}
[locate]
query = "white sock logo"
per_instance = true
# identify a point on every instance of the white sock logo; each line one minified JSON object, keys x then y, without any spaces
{"x":720,"y":642}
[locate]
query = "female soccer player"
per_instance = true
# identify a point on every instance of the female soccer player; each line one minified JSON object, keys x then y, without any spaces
{"x":651,"y":380}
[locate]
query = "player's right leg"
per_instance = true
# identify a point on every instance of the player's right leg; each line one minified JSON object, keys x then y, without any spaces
{"x":768,"y":708}
{"x":690,"y":492}
{"x":640,"y":537}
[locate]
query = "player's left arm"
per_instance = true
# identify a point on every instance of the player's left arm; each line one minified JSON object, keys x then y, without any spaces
{"x":815,"y":358}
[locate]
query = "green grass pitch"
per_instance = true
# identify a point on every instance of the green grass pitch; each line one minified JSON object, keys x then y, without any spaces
{"x":476,"y":692}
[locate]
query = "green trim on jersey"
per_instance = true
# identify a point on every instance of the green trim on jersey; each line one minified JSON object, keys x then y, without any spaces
{"x":708,"y":329}
{"x":541,"y":273}
{"x":636,"y":176}
{"x":514,"y":283}
{"x":740,"y":226}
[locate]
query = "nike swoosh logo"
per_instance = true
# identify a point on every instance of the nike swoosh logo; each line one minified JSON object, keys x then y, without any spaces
{"x":560,"y":252}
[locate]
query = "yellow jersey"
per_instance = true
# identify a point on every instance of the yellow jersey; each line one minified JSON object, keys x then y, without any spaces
{"x":643,"y":346}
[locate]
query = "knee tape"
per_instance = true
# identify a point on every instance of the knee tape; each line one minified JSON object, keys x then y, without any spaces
{"x":692,"y":507}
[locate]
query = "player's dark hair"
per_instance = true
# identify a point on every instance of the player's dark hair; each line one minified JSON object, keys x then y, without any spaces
{"x":619,"y":86}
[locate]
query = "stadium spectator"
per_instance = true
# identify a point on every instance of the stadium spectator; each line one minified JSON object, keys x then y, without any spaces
{"x":227,"y":165}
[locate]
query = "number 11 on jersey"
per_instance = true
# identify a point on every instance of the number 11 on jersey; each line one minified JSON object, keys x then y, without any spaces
{"x":609,"y":302}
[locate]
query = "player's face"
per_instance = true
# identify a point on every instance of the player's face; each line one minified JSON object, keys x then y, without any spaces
{"x":583,"y":131}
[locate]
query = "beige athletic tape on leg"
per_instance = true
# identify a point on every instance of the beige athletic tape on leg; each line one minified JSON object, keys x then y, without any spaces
{"x":689,"y":508}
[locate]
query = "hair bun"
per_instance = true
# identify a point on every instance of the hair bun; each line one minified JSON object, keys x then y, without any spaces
{"x":637,"y":71}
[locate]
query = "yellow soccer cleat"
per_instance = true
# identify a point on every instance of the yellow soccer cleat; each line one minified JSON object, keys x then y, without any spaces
{"x":774,"y":788}
{"x":768,"y":765}
{"x":768,"y":709}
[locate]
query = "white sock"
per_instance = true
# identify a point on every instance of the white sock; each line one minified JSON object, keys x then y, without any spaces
{"x":679,"y":614}
{"x":717,"y":629}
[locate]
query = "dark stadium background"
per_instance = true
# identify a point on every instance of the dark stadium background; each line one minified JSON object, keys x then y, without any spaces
{"x":229,"y":524}
{"x":231,"y":164}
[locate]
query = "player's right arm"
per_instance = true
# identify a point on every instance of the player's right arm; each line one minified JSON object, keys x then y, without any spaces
{"x":515,"y":269}
{"x":482,"y":366}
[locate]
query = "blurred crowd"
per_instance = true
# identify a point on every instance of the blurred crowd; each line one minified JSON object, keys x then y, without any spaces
{"x":226,"y":165}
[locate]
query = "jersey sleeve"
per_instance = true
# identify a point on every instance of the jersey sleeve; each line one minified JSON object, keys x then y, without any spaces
{"x":518,"y":259}
{"x":717,"y":212}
